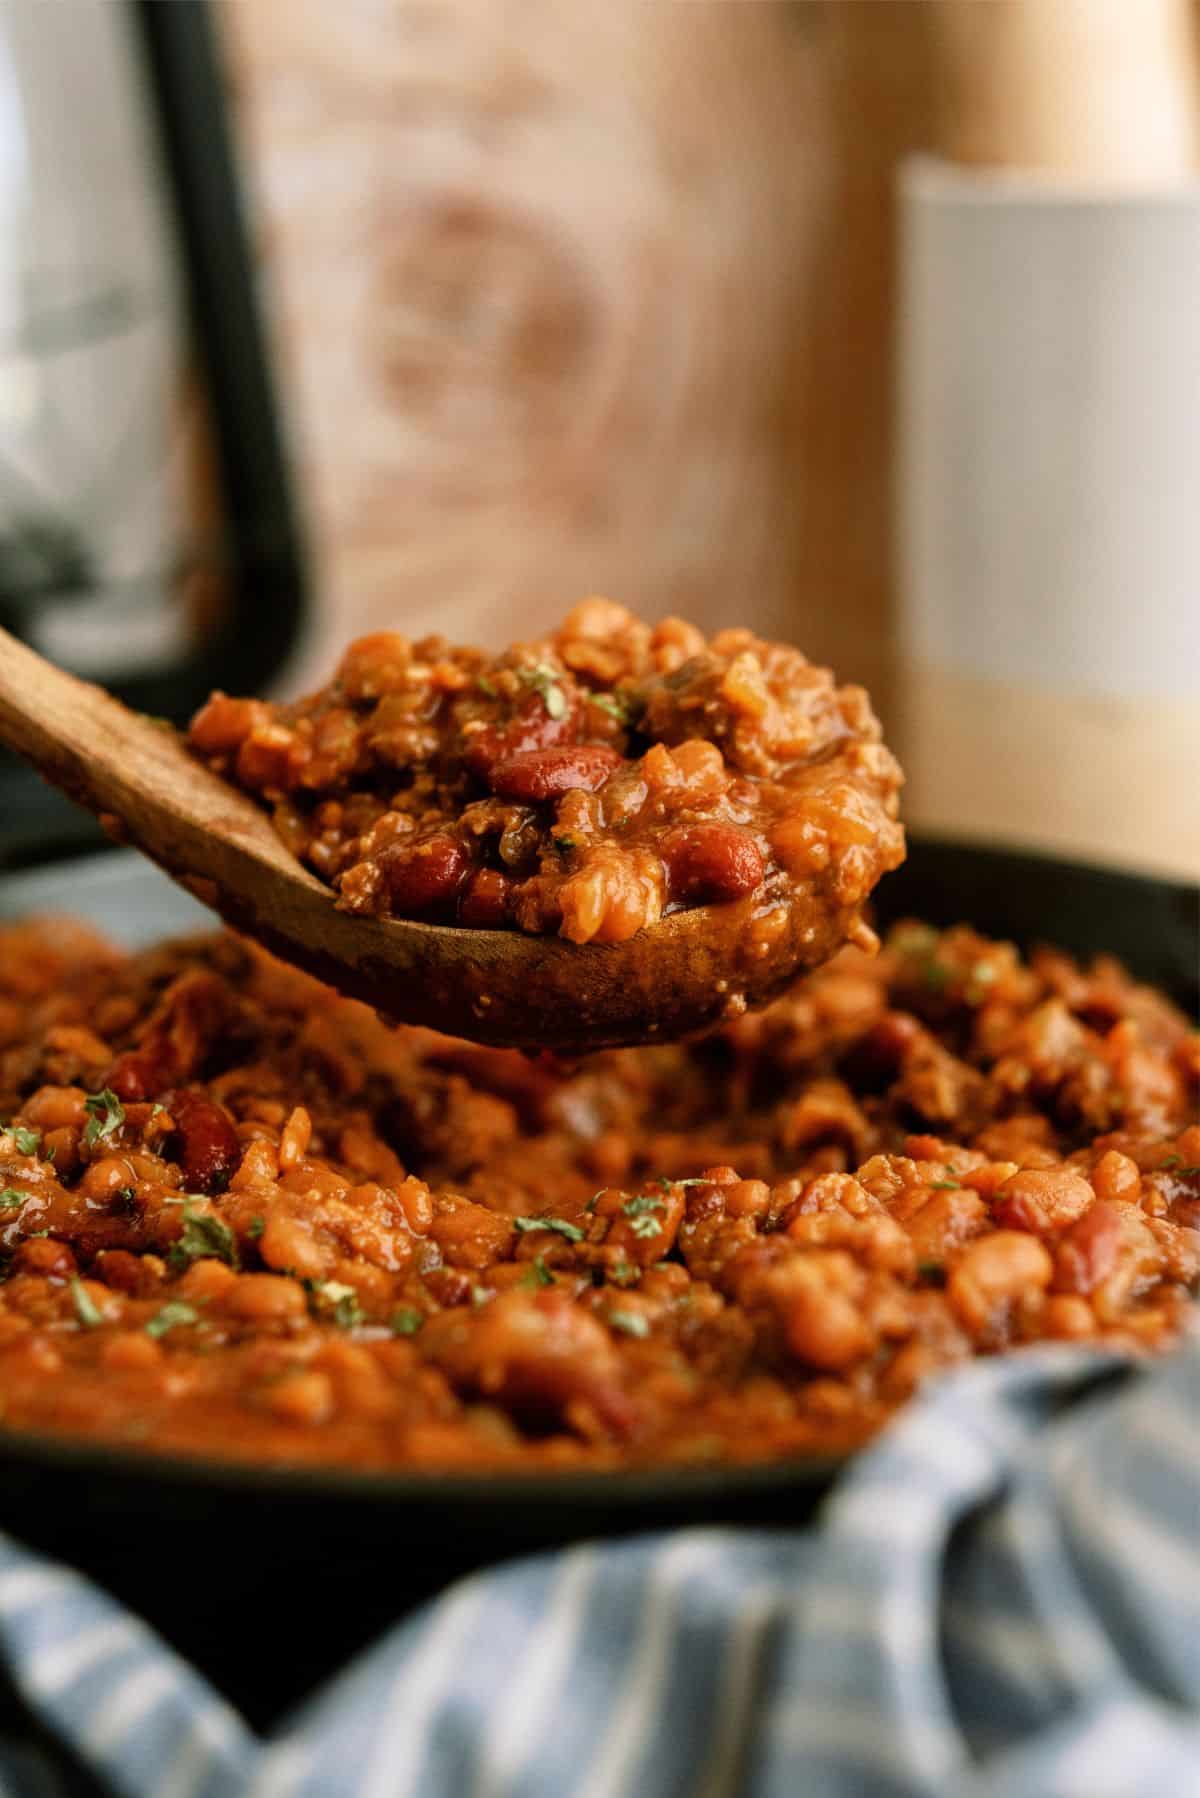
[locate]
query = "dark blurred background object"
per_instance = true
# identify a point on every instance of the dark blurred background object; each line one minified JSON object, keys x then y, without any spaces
{"x":147,"y":537}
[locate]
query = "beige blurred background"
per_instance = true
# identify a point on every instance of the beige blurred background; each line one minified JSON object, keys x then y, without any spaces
{"x":588,"y":294}
{"x":602,"y":296}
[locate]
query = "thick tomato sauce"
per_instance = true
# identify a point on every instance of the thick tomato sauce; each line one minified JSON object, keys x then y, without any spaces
{"x":240,"y":1217}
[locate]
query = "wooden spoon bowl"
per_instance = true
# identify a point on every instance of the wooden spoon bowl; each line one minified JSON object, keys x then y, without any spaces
{"x":494,"y":986}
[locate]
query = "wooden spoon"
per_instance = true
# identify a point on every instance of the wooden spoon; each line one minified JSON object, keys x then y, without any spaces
{"x":495,"y":986}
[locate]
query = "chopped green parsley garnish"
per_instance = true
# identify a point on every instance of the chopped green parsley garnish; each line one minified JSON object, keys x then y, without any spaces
{"x":639,"y":1206}
{"x":339,"y":1300}
{"x":615,"y":704}
{"x":624,"y":1272}
{"x":945,"y":1185}
{"x":668,"y":1184}
{"x":632,"y":1323}
{"x":204,"y":1236}
{"x":641,"y":1210}
{"x":106,"y":1114}
{"x":406,"y":1320}
{"x":86,"y":1309}
{"x":537,"y":1273}
{"x":917,"y":943}
{"x":931,"y":1270}
{"x":170,"y":1315}
{"x":485,"y":685}
{"x":564,"y":845}
{"x":10,"y":1198}
{"x":255,"y":1228}
{"x":572,"y":1232}
{"x":982,"y":975}
{"x":27,"y":1141}
{"x":544,"y":678}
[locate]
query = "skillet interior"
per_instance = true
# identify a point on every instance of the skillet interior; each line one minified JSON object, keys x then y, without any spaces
{"x":269,"y":1579}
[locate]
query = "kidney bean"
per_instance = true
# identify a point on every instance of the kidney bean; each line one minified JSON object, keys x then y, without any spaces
{"x":193,"y":1012}
{"x":134,"y":1076}
{"x":530,"y":727}
{"x":425,"y":878}
{"x":485,"y":904}
{"x":1089,"y":1250}
{"x":539,"y":774}
{"x":710,"y":863}
{"x":204,"y":1141}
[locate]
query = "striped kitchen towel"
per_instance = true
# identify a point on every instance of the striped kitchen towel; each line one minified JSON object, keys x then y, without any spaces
{"x":1000,"y":1600}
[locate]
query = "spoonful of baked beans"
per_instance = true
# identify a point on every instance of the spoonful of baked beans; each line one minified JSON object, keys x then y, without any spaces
{"x":611,"y":835}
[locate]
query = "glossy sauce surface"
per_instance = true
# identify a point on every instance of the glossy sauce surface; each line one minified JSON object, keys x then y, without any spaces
{"x":242,"y":1218}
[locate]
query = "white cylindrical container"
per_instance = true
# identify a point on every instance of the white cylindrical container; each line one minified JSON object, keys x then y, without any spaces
{"x":1049,"y":514}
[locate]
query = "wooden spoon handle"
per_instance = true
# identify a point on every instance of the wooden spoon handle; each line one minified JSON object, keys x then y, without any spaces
{"x":134,"y":774}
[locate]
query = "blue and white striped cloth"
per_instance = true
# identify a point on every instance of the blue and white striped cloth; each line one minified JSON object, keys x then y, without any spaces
{"x":1001,"y":1600}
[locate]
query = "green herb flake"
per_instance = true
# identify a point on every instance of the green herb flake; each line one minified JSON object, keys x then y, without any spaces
{"x":204,"y":1237}
{"x":544,"y":678}
{"x":170,"y":1316}
{"x":630,"y":1323}
{"x":945,"y":1185}
{"x":981,"y":977}
{"x":406,"y":1320}
{"x":486,"y":686}
{"x":255,"y":1228}
{"x":624,"y":1273}
{"x":640,"y":1206}
{"x":932,"y":1271}
{"x":564,"y":845}
{"x":646,"y":1227}
{"x":27,"y":1141}
{"x":615,"y":704}
{"x":338,"y":1300}
{"x":86,"y":1309}
{"x":537,"y":1273}
{"x":913,"y":941}
{"x":1172,"y":1161}
{"x":668,"y":1184}
{"x":106,"y":1114}
{"x":11,"y":1198}
{"x":572,"y":1232}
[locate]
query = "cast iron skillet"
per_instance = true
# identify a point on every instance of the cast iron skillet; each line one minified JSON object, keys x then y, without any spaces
{"x":270,"y":1579}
